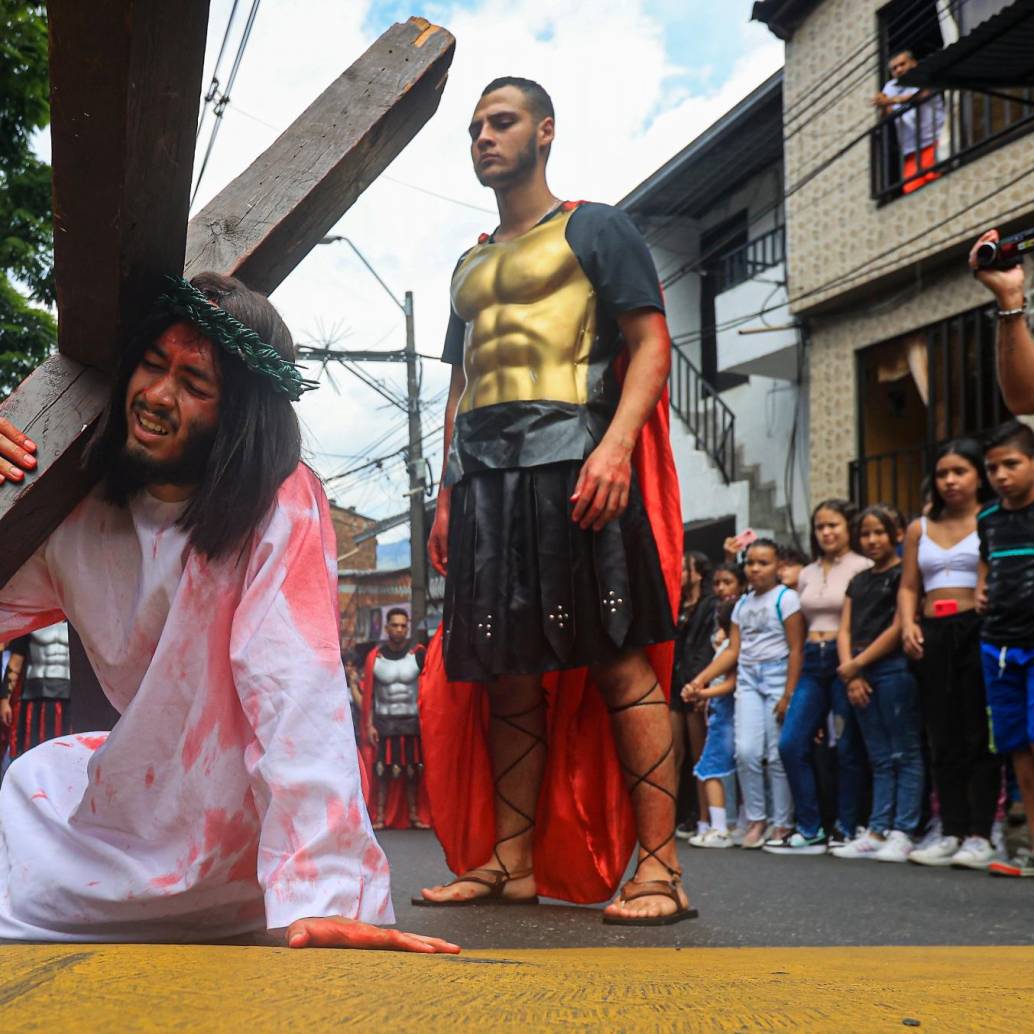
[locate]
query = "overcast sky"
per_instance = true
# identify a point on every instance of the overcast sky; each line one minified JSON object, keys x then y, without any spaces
{"x":632,"y":82}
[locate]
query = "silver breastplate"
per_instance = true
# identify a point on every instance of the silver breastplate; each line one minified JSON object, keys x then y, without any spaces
{"x":395,"y":686}
{"x":48,"y":653}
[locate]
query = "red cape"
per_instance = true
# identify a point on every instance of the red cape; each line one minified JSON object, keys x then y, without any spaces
{"x":396,"y":806}
{"x":585,"y":831}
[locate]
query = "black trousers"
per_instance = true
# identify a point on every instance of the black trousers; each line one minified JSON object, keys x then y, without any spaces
{"x":967,"y":776}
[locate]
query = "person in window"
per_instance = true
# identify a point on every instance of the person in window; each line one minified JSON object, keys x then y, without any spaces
{"x":918,"y":127}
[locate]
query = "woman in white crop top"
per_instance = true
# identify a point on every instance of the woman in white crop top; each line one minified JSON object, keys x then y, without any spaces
{"x":941,"y":633}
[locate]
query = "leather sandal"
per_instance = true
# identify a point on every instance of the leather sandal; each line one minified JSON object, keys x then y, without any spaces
{"x":494,"y":879}
{"x":650,"y":888}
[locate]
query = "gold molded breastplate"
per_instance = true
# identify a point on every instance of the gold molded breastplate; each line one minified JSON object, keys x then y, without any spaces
{"x":530,"y":314}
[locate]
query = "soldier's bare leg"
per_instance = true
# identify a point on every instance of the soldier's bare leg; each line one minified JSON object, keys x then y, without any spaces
{"x":518,"y":750}
{"x":642,"y":733}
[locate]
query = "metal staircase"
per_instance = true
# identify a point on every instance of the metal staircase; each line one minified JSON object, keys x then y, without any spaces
{"x":711,"y":422}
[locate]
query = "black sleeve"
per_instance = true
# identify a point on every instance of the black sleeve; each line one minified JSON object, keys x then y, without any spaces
{"x":697,"y":652}
{"x":854,"y":586}
{"x":452,"y":350}
{"x":982,"y":539}
{"x":615,"y":258}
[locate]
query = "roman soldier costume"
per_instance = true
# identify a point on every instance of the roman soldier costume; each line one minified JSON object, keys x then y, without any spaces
{"x":391,"y":682}
{"x":527,"y":590}
{"x":43,"y":706}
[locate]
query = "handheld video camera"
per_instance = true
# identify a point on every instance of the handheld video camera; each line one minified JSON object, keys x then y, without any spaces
{"x":1007,"y":252}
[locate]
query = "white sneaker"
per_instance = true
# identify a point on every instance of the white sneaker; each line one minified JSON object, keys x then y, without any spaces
{"x":896,"y":848}
{"x":940,"y":852}
{"x":712,"y":838}
{"x":737,"y":833}
{"x":930,"y":836}
{"x":864,"y":846}
{"x":975,"y":853}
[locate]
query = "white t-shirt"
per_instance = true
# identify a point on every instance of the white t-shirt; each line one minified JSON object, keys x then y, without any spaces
{"x":760,"y":619}
{"x":931,"y":118}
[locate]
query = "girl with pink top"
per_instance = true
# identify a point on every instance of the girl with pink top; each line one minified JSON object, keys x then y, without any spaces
{"x":822,"y":587}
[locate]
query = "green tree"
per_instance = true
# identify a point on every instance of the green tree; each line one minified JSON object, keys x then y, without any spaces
{"x":28,"y":333}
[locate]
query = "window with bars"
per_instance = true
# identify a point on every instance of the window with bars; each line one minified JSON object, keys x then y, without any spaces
{"x":916,"y":392}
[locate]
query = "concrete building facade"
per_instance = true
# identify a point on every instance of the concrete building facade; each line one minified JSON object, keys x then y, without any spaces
{"x":900,"y":338}
{"x":713,"y":218}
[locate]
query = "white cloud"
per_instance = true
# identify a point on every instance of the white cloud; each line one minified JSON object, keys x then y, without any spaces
{"x":623,"y":109}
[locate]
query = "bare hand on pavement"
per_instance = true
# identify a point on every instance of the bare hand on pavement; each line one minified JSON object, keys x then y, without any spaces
{"x":339,"y":932}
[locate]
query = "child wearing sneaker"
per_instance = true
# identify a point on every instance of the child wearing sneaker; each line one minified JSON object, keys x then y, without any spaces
{"x":882,"y":690}
{"x":718,"y":758}
{"x":1005,"y":598}
{"x":766,"y":647}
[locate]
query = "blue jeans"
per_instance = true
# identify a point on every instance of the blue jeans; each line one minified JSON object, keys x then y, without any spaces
{"x":892,"y":729}
{"x":758,"y":689}
{"x":718,"y":758}
{"x":818,"y":692}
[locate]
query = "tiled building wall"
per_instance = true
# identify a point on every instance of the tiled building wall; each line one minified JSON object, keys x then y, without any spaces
{"x":840,"y":241}
{"x":347,"y":524}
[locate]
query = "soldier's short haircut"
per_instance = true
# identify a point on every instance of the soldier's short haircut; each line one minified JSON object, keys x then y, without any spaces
{"x":540,"y":104}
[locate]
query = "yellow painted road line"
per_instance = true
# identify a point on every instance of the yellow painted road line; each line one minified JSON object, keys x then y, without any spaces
{"x":216,"y":989}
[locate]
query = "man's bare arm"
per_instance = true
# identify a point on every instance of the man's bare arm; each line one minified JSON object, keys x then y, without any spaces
{"x":438,"y":543}
{"x":1015,"y":344}
{"x":603,"y":485}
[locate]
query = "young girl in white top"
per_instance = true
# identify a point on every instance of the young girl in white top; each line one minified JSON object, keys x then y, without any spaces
{"x":766,"y":649}
{"x":941,"y":632}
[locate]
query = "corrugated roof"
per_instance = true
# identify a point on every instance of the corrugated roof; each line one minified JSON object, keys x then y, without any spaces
{"x":996,"y":54}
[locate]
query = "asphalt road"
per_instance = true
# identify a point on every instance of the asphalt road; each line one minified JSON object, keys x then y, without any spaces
{"x":746,"y":899}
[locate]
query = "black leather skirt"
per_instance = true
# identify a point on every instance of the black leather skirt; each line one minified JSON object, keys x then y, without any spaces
{"x":528,"y":591}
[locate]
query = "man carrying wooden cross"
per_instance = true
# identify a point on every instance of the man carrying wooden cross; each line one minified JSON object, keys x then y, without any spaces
{"x":201,"y":576}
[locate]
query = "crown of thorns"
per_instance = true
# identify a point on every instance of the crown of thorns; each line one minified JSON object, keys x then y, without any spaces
{"x":183,"y":299}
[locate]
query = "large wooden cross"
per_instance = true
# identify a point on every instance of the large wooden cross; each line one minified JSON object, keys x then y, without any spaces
{"x":125,"y":91}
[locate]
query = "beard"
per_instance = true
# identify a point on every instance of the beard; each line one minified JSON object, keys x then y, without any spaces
{"x":135,"y":469}
{"x":522,"y":168}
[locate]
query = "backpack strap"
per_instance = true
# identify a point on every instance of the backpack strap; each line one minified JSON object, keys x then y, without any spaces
{"x":779,"y":603}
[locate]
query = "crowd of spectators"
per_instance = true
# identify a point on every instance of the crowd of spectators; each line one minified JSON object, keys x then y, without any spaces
{"x":844,"y":700}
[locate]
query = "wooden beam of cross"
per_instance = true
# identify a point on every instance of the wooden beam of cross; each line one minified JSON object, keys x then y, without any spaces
{"x":125,"y":88}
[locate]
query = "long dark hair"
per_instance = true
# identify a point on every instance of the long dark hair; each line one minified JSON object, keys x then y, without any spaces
{"x":969,"y":449}
{"x":844,"y":507}
{"x":257,"y":442}
{"x":702,"y":565}
{"x":889,"y":516}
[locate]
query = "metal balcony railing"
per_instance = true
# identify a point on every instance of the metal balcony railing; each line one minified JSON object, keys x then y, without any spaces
{"x":961,"y":125}
{"x":750,"y":259}
{"x":711,"y":422}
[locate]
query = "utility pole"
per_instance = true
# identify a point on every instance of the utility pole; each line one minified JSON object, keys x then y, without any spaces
{"x":415,"y":452}
{"x":415,"y":463}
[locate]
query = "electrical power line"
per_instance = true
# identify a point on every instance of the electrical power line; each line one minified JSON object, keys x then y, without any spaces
{"x":820,"y":164}
{"x":224,"y":95}
{"x":213,"y":87}
{"x":871,"y":266}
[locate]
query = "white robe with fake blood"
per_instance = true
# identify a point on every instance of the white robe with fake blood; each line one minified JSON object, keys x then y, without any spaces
{"x":227,"y":798}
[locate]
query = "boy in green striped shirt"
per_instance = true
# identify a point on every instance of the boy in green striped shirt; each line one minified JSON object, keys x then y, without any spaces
{"x":1005,"y":598}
